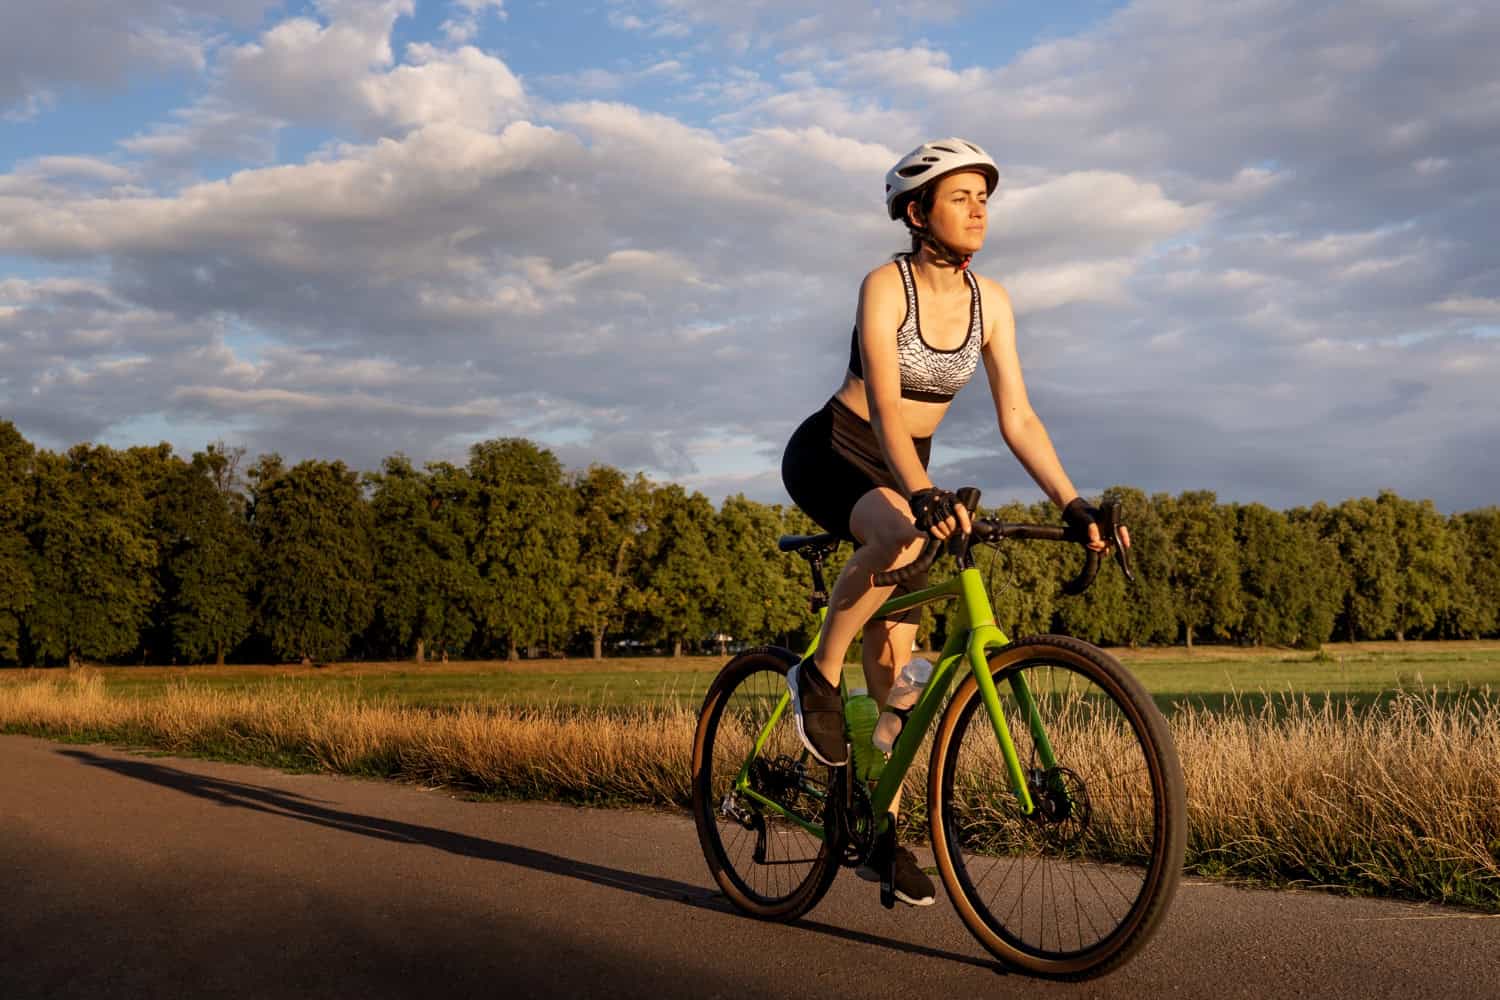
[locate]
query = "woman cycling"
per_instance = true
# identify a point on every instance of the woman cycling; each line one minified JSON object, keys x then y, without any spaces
{"x":858,"y":467}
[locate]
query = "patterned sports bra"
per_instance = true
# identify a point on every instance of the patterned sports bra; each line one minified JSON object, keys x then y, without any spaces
{"x":929,"y":374}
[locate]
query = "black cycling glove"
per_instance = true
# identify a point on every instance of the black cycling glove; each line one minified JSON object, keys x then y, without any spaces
{"x":1079,"y":513}
{"x":931,"y":506}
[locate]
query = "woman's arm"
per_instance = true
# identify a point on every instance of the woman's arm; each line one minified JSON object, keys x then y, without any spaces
{"x":882,"y":301}
{"x":1019,"y":425}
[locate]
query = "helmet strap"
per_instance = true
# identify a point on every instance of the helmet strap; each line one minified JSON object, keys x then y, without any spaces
{"x":942,"y":251}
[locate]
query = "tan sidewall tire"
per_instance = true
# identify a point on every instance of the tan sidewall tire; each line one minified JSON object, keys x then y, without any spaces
{"x":1168,"y":799}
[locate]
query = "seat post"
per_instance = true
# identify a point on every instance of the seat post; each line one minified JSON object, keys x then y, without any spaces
{"x":819,"y":599}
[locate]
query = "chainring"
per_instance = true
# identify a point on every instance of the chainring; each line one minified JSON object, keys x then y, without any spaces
{"x":856,"y":820}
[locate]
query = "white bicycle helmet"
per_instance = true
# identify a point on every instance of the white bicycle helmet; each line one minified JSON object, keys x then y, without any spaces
{"x":930,"y":161}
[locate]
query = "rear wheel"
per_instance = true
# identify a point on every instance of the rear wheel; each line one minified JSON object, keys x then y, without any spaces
{"x":1075,"y":889}
{"x":769,"y":865}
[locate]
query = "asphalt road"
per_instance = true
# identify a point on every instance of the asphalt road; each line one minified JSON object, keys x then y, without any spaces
{"x":132,"y":876}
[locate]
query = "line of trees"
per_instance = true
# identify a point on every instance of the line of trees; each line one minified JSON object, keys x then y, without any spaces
{"x":142,"y":556}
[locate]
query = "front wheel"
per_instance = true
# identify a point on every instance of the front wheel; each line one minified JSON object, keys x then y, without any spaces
{"x":766,"y":857}
{"x":1073,"y":890}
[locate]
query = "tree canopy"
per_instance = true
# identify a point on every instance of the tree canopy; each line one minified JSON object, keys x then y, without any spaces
{"x":316,"y":589}
{"x":138,"y":555}
{"x":17,"y":481}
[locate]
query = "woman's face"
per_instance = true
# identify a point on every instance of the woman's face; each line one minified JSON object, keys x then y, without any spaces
{"x":960,"y":212}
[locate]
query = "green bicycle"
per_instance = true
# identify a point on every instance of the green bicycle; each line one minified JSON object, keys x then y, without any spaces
{"x":1057,"y":816}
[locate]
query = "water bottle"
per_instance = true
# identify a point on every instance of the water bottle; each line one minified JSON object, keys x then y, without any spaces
{"x":904,"y":694}
{"x":860,"y":711}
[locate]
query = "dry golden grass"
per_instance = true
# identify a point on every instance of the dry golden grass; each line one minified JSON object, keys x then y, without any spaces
{"x":429,"y":668}
{"x":636,"y":755}
{"x":1401,"y":801}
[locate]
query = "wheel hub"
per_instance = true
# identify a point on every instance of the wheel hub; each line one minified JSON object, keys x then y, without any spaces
{"x":1062,"y":803}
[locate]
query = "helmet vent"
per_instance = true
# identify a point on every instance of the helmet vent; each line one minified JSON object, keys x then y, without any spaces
{"x":946,"y":149}
{"x":914,"y":170}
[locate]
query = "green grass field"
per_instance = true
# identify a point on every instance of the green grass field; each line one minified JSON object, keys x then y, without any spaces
{"x":1210,"y":676}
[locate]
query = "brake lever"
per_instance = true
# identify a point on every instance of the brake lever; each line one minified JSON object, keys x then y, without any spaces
{"x":958,"y":542}
{"x":1109,"y":526}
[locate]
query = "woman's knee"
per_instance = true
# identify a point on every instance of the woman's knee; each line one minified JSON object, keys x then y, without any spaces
{"x":907,"y":552}
{"x":883,"y":523}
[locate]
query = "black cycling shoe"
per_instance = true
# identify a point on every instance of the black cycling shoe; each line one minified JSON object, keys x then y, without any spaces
{"x":897,"y":868}
{"x":911,"y":883}
{"x":820,"y":714}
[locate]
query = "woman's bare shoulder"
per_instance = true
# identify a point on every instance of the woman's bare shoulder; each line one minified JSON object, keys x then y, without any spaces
{"x":882,"y":296}
{"x":994,"y":302}
{"x":992,"y":290}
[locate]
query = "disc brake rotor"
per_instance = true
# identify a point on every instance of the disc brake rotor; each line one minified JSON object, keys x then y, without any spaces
{"x":1063,"y":810}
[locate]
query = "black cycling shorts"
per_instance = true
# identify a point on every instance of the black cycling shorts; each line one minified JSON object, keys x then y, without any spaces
{"x":834,"y":459}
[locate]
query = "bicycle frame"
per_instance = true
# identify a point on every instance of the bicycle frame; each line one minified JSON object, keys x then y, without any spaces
{"x":975,"y":634}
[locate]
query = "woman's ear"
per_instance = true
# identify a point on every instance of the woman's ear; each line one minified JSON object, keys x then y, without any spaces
{"x":914,"y":214}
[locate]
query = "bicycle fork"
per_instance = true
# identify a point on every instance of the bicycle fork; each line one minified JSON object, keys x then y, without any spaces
{"x":979,"y":643}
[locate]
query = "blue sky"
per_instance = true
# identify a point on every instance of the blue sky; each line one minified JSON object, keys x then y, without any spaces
{"x":1249,"y":244}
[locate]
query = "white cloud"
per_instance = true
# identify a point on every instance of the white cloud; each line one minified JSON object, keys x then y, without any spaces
{"x":1034,"y":290}
{"x":27,"y":106}
{"x":280,"y":401}
{"x":335,"y":71}
{"x":1258,"y":232}
{"x":302,"y":69}
{"x":597,"y":81}
{"x":763,"y":24}
{"x":1469,"y":305}
{"x":208,"y":130}
{"x":463,"y":28}
{"x":456,"y":249}
{"x":1087,"y":212}
{"x":465,"y":87}
{"x":798,"y":150}
{"x":916,"y":69}
{"x":88,"y":168}
{"x":666,"y":67}
{"x":862,"y":118}
{"x":48,"y":47}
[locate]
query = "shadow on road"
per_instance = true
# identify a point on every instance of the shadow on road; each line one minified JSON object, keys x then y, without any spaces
{"x":300,"y":807}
